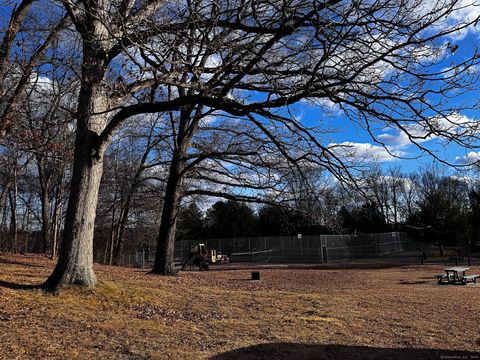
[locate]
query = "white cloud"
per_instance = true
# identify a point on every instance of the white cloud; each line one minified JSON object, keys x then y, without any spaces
{"x":214,"y":61}
{"x":436,"y":127}
{"x":41,"y":83}
{"x":208,"y":120}
{"x":328,"y":106}
{"x":471,"y":158}
{"x":364,"y":151}
{"x":464,"y":11}
{"x":395,"y":142}
{"x":454,"y":122}
{"x":401,"y":140}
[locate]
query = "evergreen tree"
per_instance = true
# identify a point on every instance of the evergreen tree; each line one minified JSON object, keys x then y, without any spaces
{"x":231,"y":219}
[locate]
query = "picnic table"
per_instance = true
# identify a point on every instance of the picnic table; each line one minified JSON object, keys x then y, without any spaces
{"x":455,"y":275}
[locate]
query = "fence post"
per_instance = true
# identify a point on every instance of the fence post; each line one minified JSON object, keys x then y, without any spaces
{"x":250,"y":251}
{"x":300,"y":241}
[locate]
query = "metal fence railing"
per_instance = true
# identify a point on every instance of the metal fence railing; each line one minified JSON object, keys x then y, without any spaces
{"x":301,"y":249}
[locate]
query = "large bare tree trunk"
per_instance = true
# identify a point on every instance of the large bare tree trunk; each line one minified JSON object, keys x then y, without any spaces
{"x":166,"y":236}
{"x":173,"y":196}
{"x":75,"y":263}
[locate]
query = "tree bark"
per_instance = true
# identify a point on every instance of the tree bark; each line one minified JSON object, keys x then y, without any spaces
{"x":45,"y":202}
{"x":13,"y":209}
{"x":120,"y":230}
{"x":173,"y":196}
{"x":45,"y":222}
{"x":13,"y":219}
{"x":166,"y":236}
{"x":57,"y":217}
{"x":18,"y":15}
{"x":75,"y":263}
{"x":113,"y":233}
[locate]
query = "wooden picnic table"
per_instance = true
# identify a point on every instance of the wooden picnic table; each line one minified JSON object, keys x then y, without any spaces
{"x":453,"y":273}
{"x":457,"y":275}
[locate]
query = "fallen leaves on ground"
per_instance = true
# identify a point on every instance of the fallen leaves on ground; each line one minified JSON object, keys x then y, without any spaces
{"x":290,"y":313}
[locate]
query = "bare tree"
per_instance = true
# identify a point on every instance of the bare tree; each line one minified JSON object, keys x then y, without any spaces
{"x":27,"y":37}
{"x":135,"y":150}
{"x":216,"y":157}
{"x":377,"y":61}
{"x":47,"y":134}
{"x":332,"y":63}
{"x":442,"y":205}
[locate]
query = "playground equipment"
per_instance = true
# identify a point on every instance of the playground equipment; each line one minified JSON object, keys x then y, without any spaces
{"x":201,"y":257}
{"x":222,"y":259}
{"x":198,"y":256}
{"x":216,"y":257}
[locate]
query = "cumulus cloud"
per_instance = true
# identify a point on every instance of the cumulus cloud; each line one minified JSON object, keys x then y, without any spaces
{"x":464,"y":11}
{"x":433,"y":128}
{"x":41,"y":83}
{"x":364,"y":151}
{"x":471,"y":158}
{"x":402,"y":139}
{"x":399,"y":140}
{"x":396,"y":142}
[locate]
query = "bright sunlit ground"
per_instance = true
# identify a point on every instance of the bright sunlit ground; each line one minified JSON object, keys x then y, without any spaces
{"x":390,"y":313}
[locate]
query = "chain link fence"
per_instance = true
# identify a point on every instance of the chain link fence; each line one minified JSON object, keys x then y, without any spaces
{"x":301,"y":249}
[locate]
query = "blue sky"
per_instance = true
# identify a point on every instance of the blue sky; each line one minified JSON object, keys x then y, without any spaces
{"x":347,"y":132}
{"x":411,"y":157}
{"x":352,"y":134}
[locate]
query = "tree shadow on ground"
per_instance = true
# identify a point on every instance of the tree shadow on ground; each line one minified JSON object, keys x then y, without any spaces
{"x":15,"y":286}
{"x":416,"y":282}
{"x":291,"y":351}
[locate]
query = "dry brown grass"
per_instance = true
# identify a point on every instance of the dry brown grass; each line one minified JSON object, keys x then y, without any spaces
{"x":392,"y":313}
